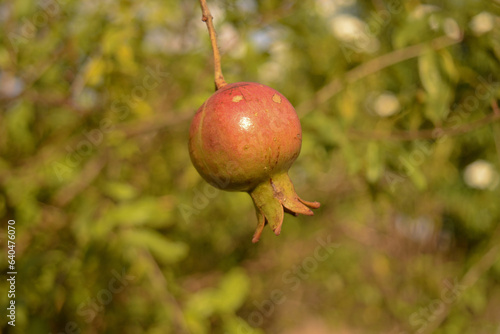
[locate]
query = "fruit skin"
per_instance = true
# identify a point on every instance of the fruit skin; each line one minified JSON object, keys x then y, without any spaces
{"x":245,"y":137}
{"x":249,"y":125}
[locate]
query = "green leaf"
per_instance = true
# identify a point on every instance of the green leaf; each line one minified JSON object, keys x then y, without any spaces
{"x":225,"y":299}
{"x":476,"y":298}
{"x":439,"y":93}
{"x":448,"y":66}
{"x":95,"y":71}
{"x":235,"y":324}
{"x":148,"y":211}
{"x":202,"y":304}
{"x":418,"y":179}
{"x":233,"y":290}
{"x":165,"y":250}
{"x":119,"y":191}
{"x":429,"y":72}
{"x":19,"y":120}
{"x":374,"y":162}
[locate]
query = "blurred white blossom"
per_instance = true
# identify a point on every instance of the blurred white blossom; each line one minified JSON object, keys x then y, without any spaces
{"x":386,"y":104}
{"x":481,"y":175}
{"x":347,"y":27}
{"x":354,"y":31}
{"x":452,"y":29}
{"x":482,"y":23}
{"x":422,"y":10}
{"x":328,"y":8}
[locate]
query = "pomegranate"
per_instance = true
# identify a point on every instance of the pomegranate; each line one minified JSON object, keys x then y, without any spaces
{"x":245,"y":137}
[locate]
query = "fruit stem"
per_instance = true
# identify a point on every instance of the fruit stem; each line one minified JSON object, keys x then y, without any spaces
{"x":208,"y":19}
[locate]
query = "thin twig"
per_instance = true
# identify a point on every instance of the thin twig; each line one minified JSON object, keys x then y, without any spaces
{"x":494,"y":106}
{"x":50,"y":152}
{"x":469,"y":279}
{"x":371,"y":67}
{"x":156,"y":123}
{"x":208,"y":19}
{"x":88,"y":174}
{"x":424,"y":134}
{"x":35,"y":72}
{"x":495,"y":128}
{"x":160,"y":284}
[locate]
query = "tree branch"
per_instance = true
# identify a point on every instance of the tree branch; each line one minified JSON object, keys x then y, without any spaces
{"x":160,"y":284}
{"x":479,"y":268}
{"x":208,"y":19}
{"x":495,"y":128}
{"x":371,"y":67}
{"x":435,"y":133}
{"x":88,"y":174}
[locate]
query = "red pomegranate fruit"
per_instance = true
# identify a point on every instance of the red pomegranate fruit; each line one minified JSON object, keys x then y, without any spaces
{"x":245,"y":137}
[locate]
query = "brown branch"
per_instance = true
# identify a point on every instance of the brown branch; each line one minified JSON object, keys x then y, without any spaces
{"x":494,"y":107}
{"x":160,"y":284}
{"x":371,"y":67}
{"x":479,"y":268}
{"x":495,"y":128}
{"x":155,"y":123}
{"x":88,"y":174}
{"x":51,"y":152}
{"x":208,"y":19}
{"x":35,"y":72}
{"x":435,"y":133}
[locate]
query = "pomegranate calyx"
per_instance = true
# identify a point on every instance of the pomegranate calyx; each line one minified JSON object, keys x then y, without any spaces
{"x":273,"y":198}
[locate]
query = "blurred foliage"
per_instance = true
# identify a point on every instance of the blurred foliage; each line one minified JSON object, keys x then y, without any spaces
{"x":117,"y":233}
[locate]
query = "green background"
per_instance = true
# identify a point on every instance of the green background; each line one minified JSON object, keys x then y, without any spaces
{"x":117,"y":233}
